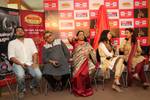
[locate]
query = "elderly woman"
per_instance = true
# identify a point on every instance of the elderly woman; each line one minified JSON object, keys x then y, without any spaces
{"x":84,"y":58}
{"x":135,"y":61}
{"x":109,"y":60}
{"x":55,"y":57}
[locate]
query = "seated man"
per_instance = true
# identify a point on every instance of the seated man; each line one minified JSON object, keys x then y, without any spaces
{"x":23,"y":53}
{"x":55,"y":56}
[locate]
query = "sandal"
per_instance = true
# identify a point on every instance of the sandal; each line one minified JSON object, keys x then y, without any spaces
{"x":136,"y":76}
{"x":146,"y":85}
{"x":116,"y":88}
{"x":116,"y":82}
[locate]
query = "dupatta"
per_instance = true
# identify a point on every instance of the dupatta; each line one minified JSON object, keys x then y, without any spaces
{"x":129,"y":63}
{"x":131,"y":55}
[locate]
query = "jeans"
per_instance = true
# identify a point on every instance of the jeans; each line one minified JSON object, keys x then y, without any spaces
{"x":20,"y":73}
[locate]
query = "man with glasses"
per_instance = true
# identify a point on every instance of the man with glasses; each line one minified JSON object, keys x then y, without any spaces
{"x":55,"y":56}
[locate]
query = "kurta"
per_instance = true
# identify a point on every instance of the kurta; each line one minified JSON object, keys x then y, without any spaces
{"x":57,"y":51}
{"x":104,"y":53}
{"x":107,"y":64}
{"x":126,"y":47}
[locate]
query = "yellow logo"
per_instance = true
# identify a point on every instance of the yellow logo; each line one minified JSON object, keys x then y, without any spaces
{"x":33,"y":19}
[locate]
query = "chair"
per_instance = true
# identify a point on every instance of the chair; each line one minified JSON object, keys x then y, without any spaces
{"x":124,"y":77}
{"x":101,"y":78}
{"x":97,"y":73}
{"x":58,"y":85}
{"x":6,"y":80}
{"x":68,"y":83}
{"x":28,"y":77}
{"x":71,"y":74}
{"x":46,"y":87}
{"x":147,"y":69}
{"x":97,"y":78}
{"x":7,"y":77}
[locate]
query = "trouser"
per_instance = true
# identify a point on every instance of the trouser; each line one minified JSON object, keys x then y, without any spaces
{"x":20,"y":74}
{"x":52,"y":80}
{"x":119,"y":67}
{"x":139,"y":69}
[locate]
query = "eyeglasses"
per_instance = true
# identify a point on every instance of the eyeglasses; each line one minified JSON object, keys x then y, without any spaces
{"x":47,"y":36}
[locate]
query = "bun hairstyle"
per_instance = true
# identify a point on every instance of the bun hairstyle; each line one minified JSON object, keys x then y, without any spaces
{"x":85,"y":38}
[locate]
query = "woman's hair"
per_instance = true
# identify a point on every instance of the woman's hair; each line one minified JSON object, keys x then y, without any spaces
{"x":102,"y":39}
{"x":104,"y":36}
{"x":85,"y":38}
{"x":134,"y":35}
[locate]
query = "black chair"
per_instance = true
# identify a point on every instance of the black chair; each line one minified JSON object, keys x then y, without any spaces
{"x":27,"y":78}
{"x":98,"y":78}
{"x":7,"y":77}
{"x":147,"y":69}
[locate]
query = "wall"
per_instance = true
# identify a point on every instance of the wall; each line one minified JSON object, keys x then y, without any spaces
{"x":3,"y":3}
{"x":66,"y":17}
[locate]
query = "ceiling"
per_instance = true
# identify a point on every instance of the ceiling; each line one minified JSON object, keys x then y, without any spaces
{"x":34,"y":4}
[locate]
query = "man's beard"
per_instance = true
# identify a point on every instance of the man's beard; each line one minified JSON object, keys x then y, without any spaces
{"x":19,"y":36}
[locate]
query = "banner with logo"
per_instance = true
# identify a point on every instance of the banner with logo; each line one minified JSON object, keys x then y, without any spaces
{"x":69,"y":16}
{"x":33,"y":24}
{"x":9,"y":20}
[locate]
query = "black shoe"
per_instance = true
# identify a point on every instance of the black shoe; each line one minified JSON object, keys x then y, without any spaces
{"x":21,"y":95}
{"x":34,"y":91}
{"x":54,"y":89}
{"x":60,"y":88}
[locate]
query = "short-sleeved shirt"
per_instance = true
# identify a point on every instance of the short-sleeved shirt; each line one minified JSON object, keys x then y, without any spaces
{"x":22,"y":51}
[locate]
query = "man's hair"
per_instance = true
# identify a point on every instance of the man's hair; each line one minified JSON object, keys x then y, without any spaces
{"x":47,"y":32}
{"x":18,"y":27}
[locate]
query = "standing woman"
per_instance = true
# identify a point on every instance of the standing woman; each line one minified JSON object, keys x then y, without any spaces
{"x":83,"y":65}
{"x":109,"y":60}
{"x":135,"y":61}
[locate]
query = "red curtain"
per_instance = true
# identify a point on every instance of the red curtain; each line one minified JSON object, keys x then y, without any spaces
{"x":102,"y":24}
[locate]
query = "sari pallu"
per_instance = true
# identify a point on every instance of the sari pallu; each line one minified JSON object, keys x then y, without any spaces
{"x":81,"y":84}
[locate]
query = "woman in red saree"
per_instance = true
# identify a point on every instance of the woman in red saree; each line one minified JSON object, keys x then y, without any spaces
{"x":135,"y":61}
{"x":84,"y":58}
